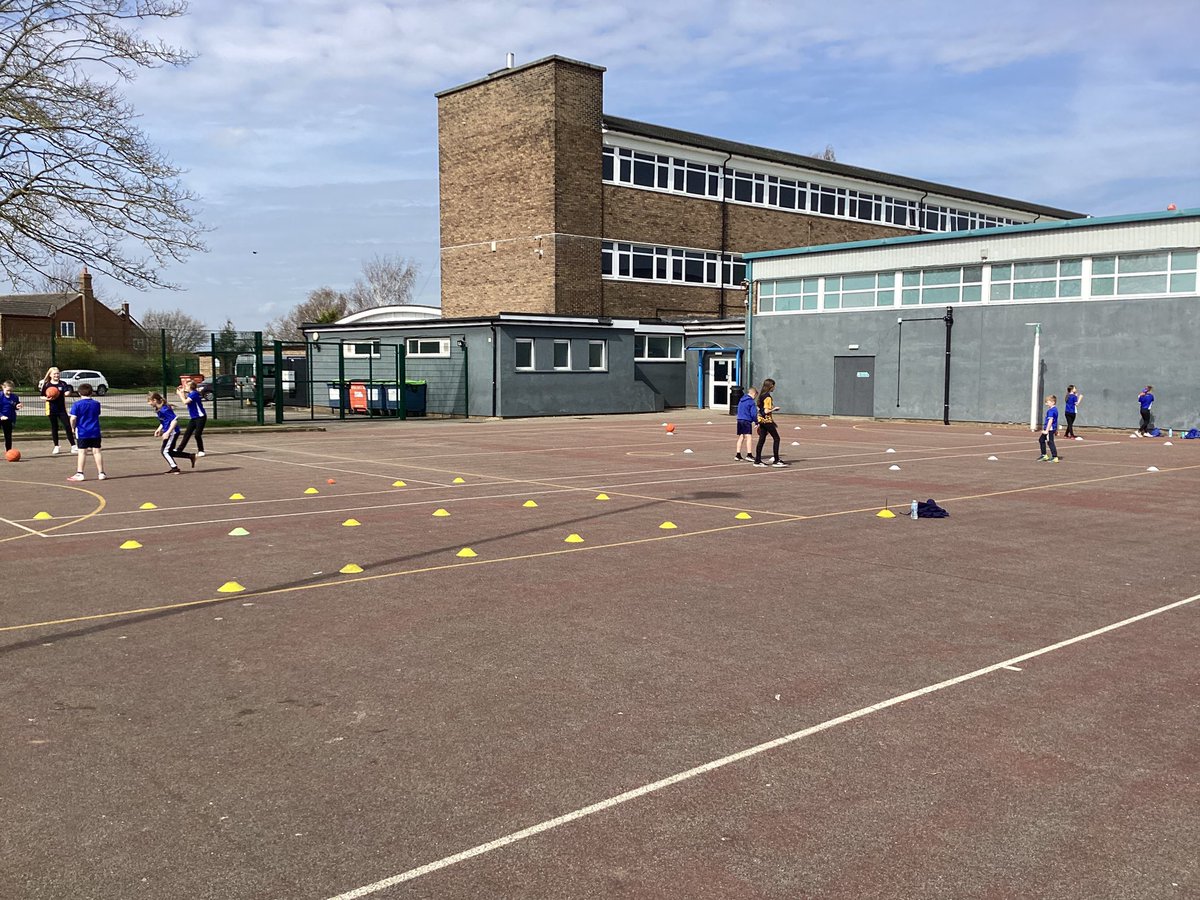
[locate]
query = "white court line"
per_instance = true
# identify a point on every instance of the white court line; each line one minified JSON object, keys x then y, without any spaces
{"x":678,"y":777}
{"x":22,"y":527}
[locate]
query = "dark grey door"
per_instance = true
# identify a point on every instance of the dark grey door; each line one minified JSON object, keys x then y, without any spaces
{"x":854,"y":386}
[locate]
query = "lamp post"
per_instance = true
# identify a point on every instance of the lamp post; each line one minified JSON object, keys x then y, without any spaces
{"x":1034,"y":406}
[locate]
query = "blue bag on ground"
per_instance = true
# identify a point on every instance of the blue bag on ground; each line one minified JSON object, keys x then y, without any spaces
{"x":1192,"y":434}
{"x":928,"y":509}
{"x":1155,"y":432}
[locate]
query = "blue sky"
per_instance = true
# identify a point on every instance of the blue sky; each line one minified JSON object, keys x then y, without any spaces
{"x":309,"y":127}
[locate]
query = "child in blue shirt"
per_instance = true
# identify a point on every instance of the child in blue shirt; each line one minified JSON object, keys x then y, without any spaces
{"x":9,"y":404}
{"x":747,"y":412}
{"x":1072,"y":401}
{"x":197,"y":417}
{"x":168,"y":430}
{"x":1049,"y":429}
{"x":1146,"y":402}
{"x":85,"y":423}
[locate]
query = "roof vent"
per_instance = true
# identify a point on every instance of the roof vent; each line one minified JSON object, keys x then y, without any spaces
{"x":510,"y":61}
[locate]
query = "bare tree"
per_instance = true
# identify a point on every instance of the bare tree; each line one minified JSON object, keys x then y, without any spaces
{"x":324,"y":305}
{"x":828,"y":154}
{"x":386,"y":281}
{"x":184,"y":333}
{"x":78,"y":180}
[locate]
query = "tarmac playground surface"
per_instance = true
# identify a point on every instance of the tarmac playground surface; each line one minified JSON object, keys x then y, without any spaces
{"x":782,"y":696}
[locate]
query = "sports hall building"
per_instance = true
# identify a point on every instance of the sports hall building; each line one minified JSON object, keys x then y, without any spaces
{"x":980,"y":325}
{"x":550,"y":206}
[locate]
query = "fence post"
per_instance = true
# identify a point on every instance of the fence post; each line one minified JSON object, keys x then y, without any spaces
{"x":343,"y":388}
{"x":53,"y":346}
{"x":258,"y":378}
{"x":466,"y":380}
{"x":162,"y":346}
{"x":402,"y":400}
{"x":279,"y":382}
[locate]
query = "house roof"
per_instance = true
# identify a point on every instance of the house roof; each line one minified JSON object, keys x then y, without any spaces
{"x":750,"y":151}
{"x":43,"y":305}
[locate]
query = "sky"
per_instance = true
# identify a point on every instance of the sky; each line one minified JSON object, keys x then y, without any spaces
{"x":308,"y":128}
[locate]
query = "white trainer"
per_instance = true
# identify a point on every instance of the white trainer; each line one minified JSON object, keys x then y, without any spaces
{"x":57,"y":450}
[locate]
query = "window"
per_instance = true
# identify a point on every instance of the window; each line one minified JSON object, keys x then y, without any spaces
{"x":562,"y":354}
{"x":859,"y":291}
{"x":788,"y":295}
{"x":1163,"y":272}
{"x":362,"y":349}
{"x":524,"y":353}
{"x":674,"y":264}
{"x":427,"y":347}
{"x":66,"y":329}
{"x":657,"y":347}
{"x":1043,"y":279}
{"x":942,"y":286}
{"x":597,"y":355}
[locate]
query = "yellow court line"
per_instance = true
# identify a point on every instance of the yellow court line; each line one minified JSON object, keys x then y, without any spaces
{"x":75,"y":520}
{"x":783,"y":519}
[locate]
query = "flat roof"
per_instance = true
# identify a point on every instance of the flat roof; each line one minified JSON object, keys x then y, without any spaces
{"x":675,"y":136}
{"x":1086,"y":222}
{"x":501,"y":73}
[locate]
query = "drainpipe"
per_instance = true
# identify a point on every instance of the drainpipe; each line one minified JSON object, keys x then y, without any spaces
{"x":724,"y":233}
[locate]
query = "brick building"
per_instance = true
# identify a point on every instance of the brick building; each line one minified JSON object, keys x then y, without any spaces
{"x":69,"y":315}
{"x":550,"y":206}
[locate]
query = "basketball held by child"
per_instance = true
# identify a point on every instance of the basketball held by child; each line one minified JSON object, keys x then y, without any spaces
{"x":52,"y":393}
{"x":13,"y":455}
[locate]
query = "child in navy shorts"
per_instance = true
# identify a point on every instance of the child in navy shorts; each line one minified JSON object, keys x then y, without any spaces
{"x":747,"y":412}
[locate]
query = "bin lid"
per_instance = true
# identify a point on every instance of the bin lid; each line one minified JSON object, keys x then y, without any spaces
{"x":414,"y":382}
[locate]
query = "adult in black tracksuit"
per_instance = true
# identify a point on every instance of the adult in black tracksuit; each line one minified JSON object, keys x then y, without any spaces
{"x":766,"y":425}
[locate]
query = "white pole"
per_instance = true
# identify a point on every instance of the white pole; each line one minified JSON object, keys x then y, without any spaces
{"x":1034,"y":405}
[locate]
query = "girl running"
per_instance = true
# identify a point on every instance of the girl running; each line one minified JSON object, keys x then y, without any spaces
{"x":168,"y":430}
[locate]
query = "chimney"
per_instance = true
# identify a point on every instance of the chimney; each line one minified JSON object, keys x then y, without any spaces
{"x":510,"y":60}
{"x":87,"y":301}
{"x":125,"y":310}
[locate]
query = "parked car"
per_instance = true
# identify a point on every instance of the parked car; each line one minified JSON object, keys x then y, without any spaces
{"x":234,"y":387}
{"x":77,"y":377}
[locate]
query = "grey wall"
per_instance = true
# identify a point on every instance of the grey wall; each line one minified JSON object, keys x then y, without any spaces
{"x":546,"y":392}
{"x":1110,"y":349}
{"x":667,"y":379}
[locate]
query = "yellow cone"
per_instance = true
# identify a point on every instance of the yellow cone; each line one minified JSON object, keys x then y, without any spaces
{"x":602,"y":497}
{"x":743,"y":515}
{"x":238,"y":532}
{"x":350,"y":523}
{"x":237,"y":497}
{"x":885,"y":514}
{"x":466,"y":553}
{"x":43,"y":515}
{"x":459,"y":481}
{"x":572,"y":539}
{"x":147,"y":505}
{"x":350,"y":569}
{"x":529,"y":504}
{"x":668,"y":525}
{"x":230,"y":587}
{"x":399,"y":484}
{"x":312,"y":491}
{"x":131,"y":545}
{"x":440,"y":512}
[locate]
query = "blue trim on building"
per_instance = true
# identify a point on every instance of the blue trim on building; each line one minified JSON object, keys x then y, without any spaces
{"x":978,"y":232}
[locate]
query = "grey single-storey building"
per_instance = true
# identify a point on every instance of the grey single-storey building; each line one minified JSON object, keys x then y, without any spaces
{"x":519,"y":364}
{"x":981,"y":325}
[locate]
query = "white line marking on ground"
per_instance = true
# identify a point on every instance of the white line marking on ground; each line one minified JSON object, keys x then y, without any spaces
{"x":704,"y":769}
{"x":22,"y":527}
{"x":1013,"y":668}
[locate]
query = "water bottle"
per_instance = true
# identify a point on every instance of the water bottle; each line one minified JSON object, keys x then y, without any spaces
{"x":1170,"y":432}
{"x":912,"y":510}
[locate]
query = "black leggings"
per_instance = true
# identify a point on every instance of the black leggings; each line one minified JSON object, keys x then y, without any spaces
{"x":763,"y":430}
{"x":1147,"y":422}
{"x":55,"y":418}
{"x":6,"y":427}
{"x":1070,"y":425}
{"x":196,"y":427}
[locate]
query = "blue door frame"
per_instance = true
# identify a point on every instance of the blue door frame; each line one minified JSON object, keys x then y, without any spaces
{"x":700,"y":352}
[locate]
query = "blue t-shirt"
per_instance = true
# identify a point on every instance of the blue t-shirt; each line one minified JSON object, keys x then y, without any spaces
{"x":166,"y":416}
{"x":1051,"y":423}
{"x":1072,"y":399}
{"x":1146,"y":399}
{"x":747,"y":411}
{"x":87,"y":418}
{"x":195,"y":407}
{"x":8,"y":405}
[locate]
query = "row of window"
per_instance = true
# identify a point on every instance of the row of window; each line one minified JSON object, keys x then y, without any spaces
{"x":676,"y":175}
{"x":673,"y":264}
{"x":414,"y":348}
{"x":560,"y":356}
{"x":1129,"y":274}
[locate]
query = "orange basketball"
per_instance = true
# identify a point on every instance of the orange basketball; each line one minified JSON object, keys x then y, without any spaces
{"x":670,"y":428}
{"x":13,"y":455}
{"x":52,"y":393}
